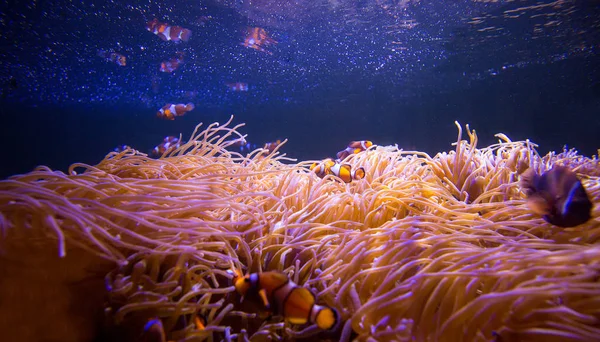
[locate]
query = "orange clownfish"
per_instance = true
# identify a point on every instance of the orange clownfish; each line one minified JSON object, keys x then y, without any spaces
{"x":167,"y":32}
{"x":113,"y":57}
{"x":258,"y":39}
{"x":172,"y":64}
{"x":170,"y":110}
{"x":169,"y":143}
{"x":557,"y":195}
{"x":281,"y":296}
{"x":353,"y":148}
{"x":342,"y":171}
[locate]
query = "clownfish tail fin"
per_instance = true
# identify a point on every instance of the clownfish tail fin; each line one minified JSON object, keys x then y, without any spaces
{"x":185,"y":34}
{"x":327,"y":318}
{"x":359,"y":173}
{"x":528,"y":181}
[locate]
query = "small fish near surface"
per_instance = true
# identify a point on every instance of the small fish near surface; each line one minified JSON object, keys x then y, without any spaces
{"x":557,"y":195}
{"x":172,"y":64}
{"x":170,"y":110}
{"x":237,"y":86}
{"x":258,"y":39}
{"x":167,"y":32}
{"x":281,"y":296}
{"x":113,"y":57}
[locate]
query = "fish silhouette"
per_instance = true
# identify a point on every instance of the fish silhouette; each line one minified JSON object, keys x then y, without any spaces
{"x":557,"y":195}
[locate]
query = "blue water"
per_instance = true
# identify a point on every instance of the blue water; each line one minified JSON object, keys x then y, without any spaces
{"x":341,"y":71}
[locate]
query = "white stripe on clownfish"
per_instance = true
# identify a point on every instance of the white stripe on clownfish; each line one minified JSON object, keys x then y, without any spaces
{"x":342,"y":171}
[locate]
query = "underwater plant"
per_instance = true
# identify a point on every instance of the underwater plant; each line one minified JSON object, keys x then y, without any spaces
{"x":440,"y":248}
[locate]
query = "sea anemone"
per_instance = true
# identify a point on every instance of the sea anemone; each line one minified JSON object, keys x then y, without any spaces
{"x":423,"y":248}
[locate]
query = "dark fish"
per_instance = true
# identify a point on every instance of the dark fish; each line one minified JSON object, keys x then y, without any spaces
{"x":154,"y":331}
{"x":557,"y":195}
